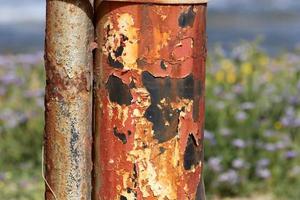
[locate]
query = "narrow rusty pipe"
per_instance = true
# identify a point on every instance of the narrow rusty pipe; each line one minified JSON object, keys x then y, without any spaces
{"x":68,"y":100}
{"x":149,"y":77}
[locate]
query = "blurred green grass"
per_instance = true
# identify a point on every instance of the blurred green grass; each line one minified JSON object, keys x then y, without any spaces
{"x":252,"y":124}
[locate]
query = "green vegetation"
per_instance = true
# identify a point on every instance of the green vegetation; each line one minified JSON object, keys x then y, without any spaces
{"x":252,"y":124}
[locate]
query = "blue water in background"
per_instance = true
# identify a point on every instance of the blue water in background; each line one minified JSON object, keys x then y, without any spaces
{"x":229,"y":21}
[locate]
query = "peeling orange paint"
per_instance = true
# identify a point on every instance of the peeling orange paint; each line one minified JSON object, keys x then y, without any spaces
{"x":149,"y":101}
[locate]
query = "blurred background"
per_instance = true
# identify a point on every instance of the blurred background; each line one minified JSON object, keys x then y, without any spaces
{"x":252,"y":147}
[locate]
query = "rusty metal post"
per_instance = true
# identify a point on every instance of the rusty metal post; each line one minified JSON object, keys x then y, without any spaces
{"x":149,"y":77}
{"x":68,"y":101}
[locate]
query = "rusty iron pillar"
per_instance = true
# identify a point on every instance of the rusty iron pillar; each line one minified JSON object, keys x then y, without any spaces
{"x":68,"y":101}
{"x":149,"y":74}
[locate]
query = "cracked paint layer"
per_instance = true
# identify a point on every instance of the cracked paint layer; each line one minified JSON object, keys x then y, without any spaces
{"x":149,"y":101}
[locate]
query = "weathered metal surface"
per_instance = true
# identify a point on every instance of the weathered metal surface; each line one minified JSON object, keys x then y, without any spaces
{"x":149,"y":76}
{"x":68,"y":101}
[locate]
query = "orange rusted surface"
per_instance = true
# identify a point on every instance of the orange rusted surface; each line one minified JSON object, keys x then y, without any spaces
{"x":68,"y":101}
{"x":149,"y":76}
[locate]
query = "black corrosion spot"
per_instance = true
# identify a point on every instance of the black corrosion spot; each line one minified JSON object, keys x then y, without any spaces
{"x":200,"y":194}
{"x":170,"y":88}
{"x":120,"y":136}
{"x":165,"y":121}
{"x":192,"y":154}
{"x":118,"y":91}
{"x":114,"y":62}
{"x":164,"y":91}
{"x":75,"y":155}
{"x":187,"y":18}
{"x":163,"y":65}
{"x":132,"y":85}
{"x":123,"y":197}
{"x":129,"y":133}
{"x":162,"y":150}
{"x":135,"y":175}
{"x":189,"y":88}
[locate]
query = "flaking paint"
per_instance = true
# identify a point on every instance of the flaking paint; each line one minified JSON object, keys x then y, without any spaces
{"x":157,"y":53}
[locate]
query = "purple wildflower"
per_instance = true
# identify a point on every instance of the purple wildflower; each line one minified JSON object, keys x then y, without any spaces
{"x":11,"y":118}
{"x":238,"y":163}
{"x":294,"y":100}
{"x":290,"y":118}
{"x":24,"y":184}
{"x":6,"y":62}
{"x":238,"y":89}
{"x":214,"y":164}
{"x":34,"y":93}
{"x":262,"y":163}
{"x":225,"y":132}
{"x":230,"y":177}
{"x":290,"y":154}
{"x":281,"y":145}
{"x":270,"y":147}
{"x":240,"y":52}
{"x":297,"y":122}
{"x":30,"y":59}
{"x":247,"y":106}
{"x":239,"y":143}
{"x":240,"y":116}
{"x":2,"y":176}
{"x":290,"y":112}
{"x":209,"y":136}
{"x":10,"y":78}
{"x":285,"y":121}
{"x":263,"y":173}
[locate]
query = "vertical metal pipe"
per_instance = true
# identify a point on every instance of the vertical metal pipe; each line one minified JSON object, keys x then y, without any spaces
{"x":68,"y":101}
{"x":149,"y":76}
